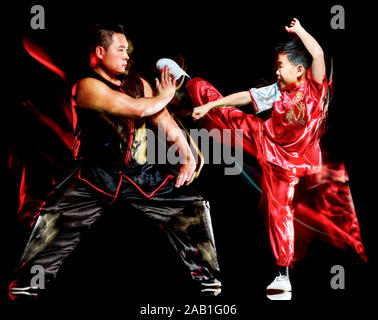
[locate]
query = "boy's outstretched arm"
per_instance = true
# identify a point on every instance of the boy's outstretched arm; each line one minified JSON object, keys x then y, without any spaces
{"x":318,"y":68}
{"x":236,"y":99}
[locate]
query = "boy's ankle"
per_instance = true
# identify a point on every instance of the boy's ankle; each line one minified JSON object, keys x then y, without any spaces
{"x":282,"y":270}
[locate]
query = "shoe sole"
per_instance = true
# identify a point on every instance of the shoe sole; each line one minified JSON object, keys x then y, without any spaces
{"x":287,"y":295}
{"x":276,"y":291}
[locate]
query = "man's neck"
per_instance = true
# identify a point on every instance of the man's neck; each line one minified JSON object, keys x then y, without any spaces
{"x":111,"y":78}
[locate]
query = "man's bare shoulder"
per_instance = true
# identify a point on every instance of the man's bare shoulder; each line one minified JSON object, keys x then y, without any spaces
{"x":89,"y":84}
{"x":90,"y":93}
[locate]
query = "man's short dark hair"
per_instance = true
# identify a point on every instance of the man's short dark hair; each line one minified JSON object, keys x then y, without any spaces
{"x":296,"y":52}
{"x":102,"y":35}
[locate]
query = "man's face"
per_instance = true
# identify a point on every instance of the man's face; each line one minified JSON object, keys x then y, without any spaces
{"x":115,"y":58}
{"x":287,"y":73}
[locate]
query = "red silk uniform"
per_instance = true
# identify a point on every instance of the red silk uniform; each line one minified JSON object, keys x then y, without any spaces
{"x":289,"y":138}
{"x":286,"y":146}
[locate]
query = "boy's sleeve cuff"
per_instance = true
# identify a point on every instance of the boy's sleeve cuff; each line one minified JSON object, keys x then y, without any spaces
{"x":264,"y":97}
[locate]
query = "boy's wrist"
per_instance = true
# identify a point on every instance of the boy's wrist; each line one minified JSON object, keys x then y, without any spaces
{"x":210,"y":105}
{"x":300,"y":31}
{"x":302,"y":35}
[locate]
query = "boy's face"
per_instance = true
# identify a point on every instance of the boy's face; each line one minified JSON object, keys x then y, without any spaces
{"x":115,"y":58}
{"x":287,"y":73}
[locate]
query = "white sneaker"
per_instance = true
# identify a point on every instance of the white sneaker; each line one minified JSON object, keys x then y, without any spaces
{"x":176,"y":71}
{"x":281,"y":283}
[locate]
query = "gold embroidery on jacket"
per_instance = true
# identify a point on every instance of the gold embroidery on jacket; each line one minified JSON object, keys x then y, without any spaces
{"x":295,"y":116}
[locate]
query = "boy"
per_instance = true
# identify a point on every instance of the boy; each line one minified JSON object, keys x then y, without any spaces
{"x":287,"y":143}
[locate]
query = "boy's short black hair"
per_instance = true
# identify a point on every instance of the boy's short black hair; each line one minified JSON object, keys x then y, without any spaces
{"x":102,"y":35}
{"x":296,"y":52}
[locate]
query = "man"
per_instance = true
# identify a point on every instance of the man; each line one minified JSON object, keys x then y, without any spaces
{"x":110,"y":152}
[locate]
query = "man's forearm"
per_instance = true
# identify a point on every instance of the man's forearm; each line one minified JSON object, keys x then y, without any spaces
{"x":173,"y":133}
{"x":151,"y":106}
{"x":165,"y":94}
{"x":175,"y":136}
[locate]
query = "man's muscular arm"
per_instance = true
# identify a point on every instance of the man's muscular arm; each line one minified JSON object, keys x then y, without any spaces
{"x":94,"y":94}
{"x":172,"y":131}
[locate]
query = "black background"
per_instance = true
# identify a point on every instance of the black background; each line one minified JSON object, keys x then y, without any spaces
{"x":125,"y":262}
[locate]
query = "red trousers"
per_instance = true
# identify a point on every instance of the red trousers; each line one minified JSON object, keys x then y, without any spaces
{"x":278,"y":184}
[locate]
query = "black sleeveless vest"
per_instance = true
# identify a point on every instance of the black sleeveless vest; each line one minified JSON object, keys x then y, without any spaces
{"x":104,"y":145}
{"x":103,"y":139}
